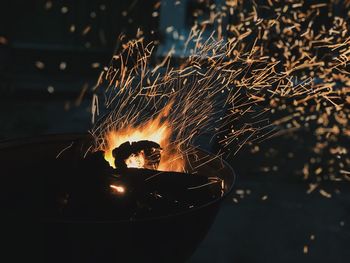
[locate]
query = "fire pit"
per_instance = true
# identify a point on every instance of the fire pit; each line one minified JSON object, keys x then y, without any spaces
{"x":140,"y":215}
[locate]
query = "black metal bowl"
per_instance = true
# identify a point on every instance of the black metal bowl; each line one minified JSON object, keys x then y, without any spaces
{"x":32,"y":168}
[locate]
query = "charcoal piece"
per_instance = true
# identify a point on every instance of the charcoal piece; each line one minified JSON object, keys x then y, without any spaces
{"x":151,"y":152}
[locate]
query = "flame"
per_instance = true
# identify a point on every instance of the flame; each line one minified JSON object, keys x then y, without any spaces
{"x":117,"y":188}
{"x":157,"y":130}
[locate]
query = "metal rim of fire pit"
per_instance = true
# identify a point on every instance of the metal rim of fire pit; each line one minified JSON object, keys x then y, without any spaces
{"x":11,"y":143}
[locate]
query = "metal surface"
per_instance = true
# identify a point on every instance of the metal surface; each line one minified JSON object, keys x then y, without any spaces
{"x":30,"y":165}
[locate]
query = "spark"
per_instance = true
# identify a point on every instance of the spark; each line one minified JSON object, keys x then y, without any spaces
{"x":64,"y":149}
{"x":264,"y":198}
{"x":325,"y":194}
{"x":40,"y":64}
{"x":271,"y":77}
{"x":305,"y":249}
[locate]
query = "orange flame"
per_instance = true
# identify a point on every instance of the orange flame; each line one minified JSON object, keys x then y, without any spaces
{"x":157,"y":130}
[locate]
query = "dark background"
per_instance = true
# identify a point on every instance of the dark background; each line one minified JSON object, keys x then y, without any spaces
{"x":268,"y":218}
{"x":51,"y":53}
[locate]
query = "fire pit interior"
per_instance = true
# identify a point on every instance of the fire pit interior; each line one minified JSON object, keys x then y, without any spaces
{"x":92,"y":212}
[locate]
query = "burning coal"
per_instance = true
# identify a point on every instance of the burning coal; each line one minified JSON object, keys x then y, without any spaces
{"x":139,"y":146}
{"x":141,"y":154}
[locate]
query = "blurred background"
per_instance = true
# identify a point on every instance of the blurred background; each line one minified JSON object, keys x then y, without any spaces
{"x":51,"y":54}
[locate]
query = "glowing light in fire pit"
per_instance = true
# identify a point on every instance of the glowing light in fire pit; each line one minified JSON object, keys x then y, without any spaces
{"x":117,"y":188}
{"x":158,"y":130}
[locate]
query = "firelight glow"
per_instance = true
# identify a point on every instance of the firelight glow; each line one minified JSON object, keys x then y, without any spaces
{"x":118,"y":189}
{"x":157,"y":130}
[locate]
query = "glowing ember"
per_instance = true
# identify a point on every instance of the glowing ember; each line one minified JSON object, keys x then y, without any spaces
{"x":117,"y":188}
